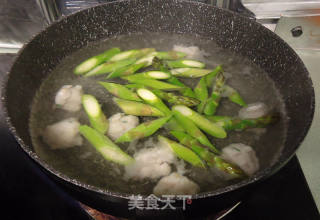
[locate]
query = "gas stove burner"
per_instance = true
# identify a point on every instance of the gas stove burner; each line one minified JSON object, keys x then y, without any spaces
{"x":97,"y":215}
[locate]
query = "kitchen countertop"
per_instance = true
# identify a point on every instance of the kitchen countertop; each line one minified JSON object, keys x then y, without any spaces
{"x":274,"y":9}
{"x":307,"y":47}
{"x":309,"y":152}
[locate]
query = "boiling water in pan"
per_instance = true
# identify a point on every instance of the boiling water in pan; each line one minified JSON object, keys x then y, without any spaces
{"x":86,"y":165}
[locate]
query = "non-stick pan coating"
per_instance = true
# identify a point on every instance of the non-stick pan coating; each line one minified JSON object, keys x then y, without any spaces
{"x":229,"y":30}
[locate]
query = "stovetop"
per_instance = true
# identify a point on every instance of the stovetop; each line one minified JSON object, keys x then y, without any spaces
{"x":27,"y":193}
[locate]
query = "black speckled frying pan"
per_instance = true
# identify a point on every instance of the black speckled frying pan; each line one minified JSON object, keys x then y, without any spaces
{"x":229,"y":30}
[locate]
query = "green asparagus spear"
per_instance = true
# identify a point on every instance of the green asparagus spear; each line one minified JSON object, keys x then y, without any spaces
{"x":147,"y":59}
{"x":161,"y":94}
{"x":124,"y":55}
{"x":211,"y":76}
{"x":233,"y":95}
{"x":210,"y":158}
{"x":185,"y":63}
{"x":144,"y":61}
{"x":145,"y":129}
{"x":109,"y":67}
{"x":228,"y":167}
{"x":160,"y":64}
{"x":213,"y":101}
{"x":146,"y":52}
{"x":96,"y":117}
{"x":173,"y":125}
{"x":203,"y":123}
{"x":176,"y":99}
{"x":152,"y":83}
{"x":170,"y":55}
{"x":126,"y":70}
{"x":92,"y":62}
{"x":201,"y":93}
{"x":150,"y":98}
{"x":223,"y":121}
{"x":193,"y":130}
{"x":105,"y":146}
{"x":186,"y":91}
{"x":211,"y":106}
{"x":120,"y":91}
{"x":185,"y":138}
{"x":241,"y":124}
{"x":135,"y":86}
{"x":183,"y":152}
{"x":190,"y":72}
{"x":131,"y":54}
{"x":140,"y":63}
{"x":137,"y":108}
{"x":149,"y":75}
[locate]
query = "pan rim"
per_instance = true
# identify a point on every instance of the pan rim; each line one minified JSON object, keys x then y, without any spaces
{"x":259,"y":176}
